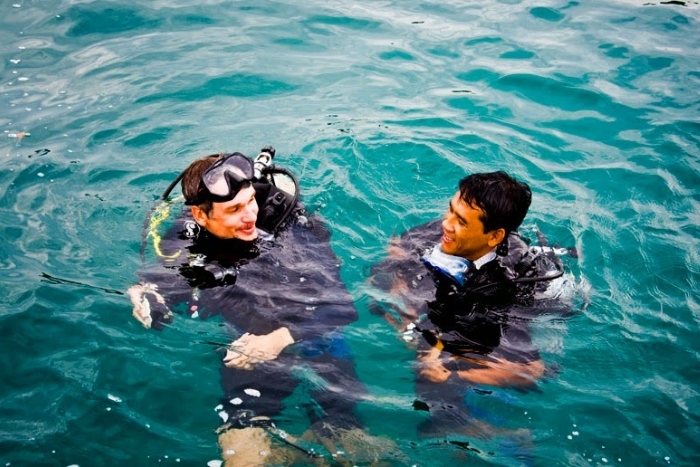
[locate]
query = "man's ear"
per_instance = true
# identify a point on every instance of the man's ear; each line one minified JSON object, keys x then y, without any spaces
{"x":200,"y":217}
{"x":496,"y":237}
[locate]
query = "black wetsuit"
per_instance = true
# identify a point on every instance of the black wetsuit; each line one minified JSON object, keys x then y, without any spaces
{"x":486,"y":318}
{"x":291,"y":280}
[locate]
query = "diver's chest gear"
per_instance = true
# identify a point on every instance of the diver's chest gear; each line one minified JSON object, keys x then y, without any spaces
{"x":213,"y":261}
{"x":211,"y":272}
{"x":517,"y":263}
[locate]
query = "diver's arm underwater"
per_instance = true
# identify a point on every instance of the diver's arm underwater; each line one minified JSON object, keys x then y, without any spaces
{"x":243,"y":353}
{"x":144,"y":309}
{"x":493,"y":372}
{"x":250,"y":349}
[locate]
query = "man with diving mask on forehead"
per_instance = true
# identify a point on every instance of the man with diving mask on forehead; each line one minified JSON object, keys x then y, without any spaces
{"x":246,"y":249}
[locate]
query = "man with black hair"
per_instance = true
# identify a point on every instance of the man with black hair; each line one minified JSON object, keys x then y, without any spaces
{"x":482,"y":273}
{"x":245,"y":249}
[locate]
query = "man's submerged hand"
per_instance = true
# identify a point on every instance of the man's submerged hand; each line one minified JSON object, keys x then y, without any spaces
{"x":250,"y":349}
{"x":432,"y":367}
{"x":142,"y":307}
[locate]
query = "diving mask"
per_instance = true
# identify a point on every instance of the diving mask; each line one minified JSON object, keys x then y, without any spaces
{"x":453,"y":267}
{"x":225,"y":178}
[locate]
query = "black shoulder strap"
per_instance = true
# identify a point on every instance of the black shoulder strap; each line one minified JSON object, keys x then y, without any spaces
{"x":275,"y":206}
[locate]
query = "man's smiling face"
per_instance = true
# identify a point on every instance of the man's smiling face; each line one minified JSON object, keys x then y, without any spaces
{"x":232,"y":219}
{"x":463,"y":231}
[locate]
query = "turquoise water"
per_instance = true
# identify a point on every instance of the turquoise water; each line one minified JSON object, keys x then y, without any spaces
{"x":380,"y":107}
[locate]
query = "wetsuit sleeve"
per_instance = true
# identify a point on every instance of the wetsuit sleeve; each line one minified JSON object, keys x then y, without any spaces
{"x":323,"y":302}
{"x":295,"y":284}
{"x":402,"y":275}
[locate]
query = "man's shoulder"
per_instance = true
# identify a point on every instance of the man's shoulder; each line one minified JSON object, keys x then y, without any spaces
{"x":304,"y":228}
{"x":428,"y":229}
{"x":403,"y":260}
{"x":417,"y":239}
{"x":520,"y":261}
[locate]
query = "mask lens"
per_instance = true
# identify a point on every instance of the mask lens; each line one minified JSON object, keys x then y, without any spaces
{"x":228,"y":175}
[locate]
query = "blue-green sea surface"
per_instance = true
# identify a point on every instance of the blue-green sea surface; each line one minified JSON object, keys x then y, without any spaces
{"x":380,"y":107}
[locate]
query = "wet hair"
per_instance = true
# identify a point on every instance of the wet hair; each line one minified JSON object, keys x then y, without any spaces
{"x":503,"y":200}
{"x":192,"y":179}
